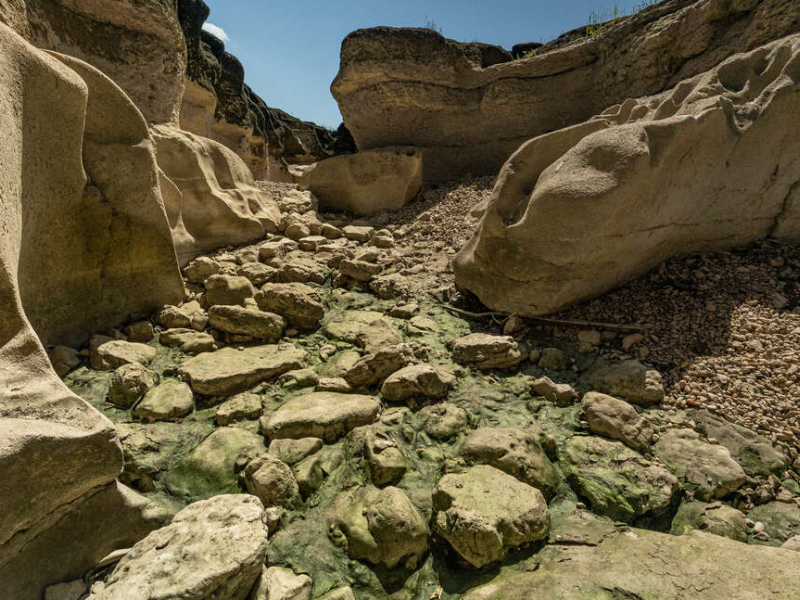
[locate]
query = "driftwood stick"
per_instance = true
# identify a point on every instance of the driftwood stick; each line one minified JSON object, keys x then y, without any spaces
{"x":547,"y":321}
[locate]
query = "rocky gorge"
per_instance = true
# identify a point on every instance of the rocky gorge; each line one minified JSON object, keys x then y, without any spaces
{"x":492,"y":345}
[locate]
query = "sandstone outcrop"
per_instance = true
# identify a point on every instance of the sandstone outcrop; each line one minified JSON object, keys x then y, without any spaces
{"x":365,"y":183}
{"x":137,"y":44}
{"x":710,"y":164}
{"x":210,"y":194}
{"x":84,"y":168}
{"x":469,"y":106}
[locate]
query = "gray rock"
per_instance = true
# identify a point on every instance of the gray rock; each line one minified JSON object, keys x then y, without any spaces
{"x":781,"y":521}
{"x":272,"y":481}
{"x":241,"y":407}
{"x":381,"y":526}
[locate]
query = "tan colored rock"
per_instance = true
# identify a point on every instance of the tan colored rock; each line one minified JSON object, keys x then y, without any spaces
{"x":107,"y":353}
{"x":111,"y":257}
{"x":629,"y":380}
{"x":376,"y":367}
{"x":230,"y":371}
{"x":322,"y":414}
{"x":241,"y":406}
{"x":369,"y":329}
{"x":298,"y":303}
{"x":188,"y":340}
{"x":366,"y":182}
{"x":210,"y":194}
{"x":129,"y":383}
{"x":424,"y":381}
{"x":272,"y":482}
{"x":228,"y":290}
{"x":170,"y":400}
{"x":232,"y":532}
{"x":582,"y":210}
{"x":138,"y":45}
{"x":560,"y":394}
{"x":247,"y":321}
{"x":469,"y":106}
{"x":486,"y":351}
{"x":618,"y":420}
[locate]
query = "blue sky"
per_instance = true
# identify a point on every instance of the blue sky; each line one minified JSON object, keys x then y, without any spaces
{"x":290,"y":50}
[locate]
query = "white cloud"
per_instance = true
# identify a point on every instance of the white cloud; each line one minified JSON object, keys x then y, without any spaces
{"x":217,"y":31}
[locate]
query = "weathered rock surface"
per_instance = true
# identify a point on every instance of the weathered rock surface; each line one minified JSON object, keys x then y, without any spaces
{"x":708,"y":470}
{"x":469,"y":106}
{"x":188,"y":340}
{"x":212,"y":548}
{"x":484,"y":512}
{"x":298,"y":303}
{"x":272,"y":481}
{"x":230,"y":371}
{"x":485,"y":351}
{"x":621,"y":565}
{"x":279,"y":583}
{"x":560,"y":394}
{"x":442,"y":421}
{"x":781,"y":521}
{"x":618,"y":482}
{"x":325,"y":415}
{"x":381,"y":526}
{"x":617,"y":420}
{"x":716,"y":518}
{"x":129,"y":383}
{"x":424,"y":381}
{"x":515,"y":451}
{"x":212,"y":467}
{"x":375,"y":368}
{"x":246,"y":321}
{"x":241,"y":406}
{"x":209,"y":193}
{"x":169,"y":400}
{"x":629,"y":380}
{"x":228,"y":290}
{"x":107,"y":353}
{"x":369,"y":329}
{"x":367,"y":182}
{"x":582,"y":210}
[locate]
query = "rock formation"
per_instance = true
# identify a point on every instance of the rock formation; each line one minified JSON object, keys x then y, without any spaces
{"x":218,"y":104}
{"x":468,"y":109}
{"x":712,"y":163}
{"x":85,"y":243}
{"x":209,"y":194}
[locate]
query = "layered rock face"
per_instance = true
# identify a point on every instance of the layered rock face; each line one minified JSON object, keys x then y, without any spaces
{"x":137,"y":44}
{"x":85,"y":242}
{"x":710,"y":164}
{"x":468,"y":108}
{"x":218,"y":104}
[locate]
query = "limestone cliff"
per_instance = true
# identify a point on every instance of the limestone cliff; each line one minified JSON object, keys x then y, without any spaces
{"x":468,"y":109}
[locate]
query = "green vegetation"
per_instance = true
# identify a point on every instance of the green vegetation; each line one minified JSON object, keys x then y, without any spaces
{"x":527,"y":54}
{"x":432,"y":25}
{"x":599,"y":20}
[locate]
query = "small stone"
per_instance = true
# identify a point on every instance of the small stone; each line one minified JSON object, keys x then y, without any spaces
{"x":188,"y":340}
{"x":107,"y":353}
{"x":631,"y":340}
{"x":486,"y":352}
{"x":553,"y":359}
{"x":141,"y":332}
{"x":271,"y":481}
{"x":168,"y":401}
{"x":241,"y":407}
{"x":228,"y":289}
{"x":129,"y":383}
{"x":561,"y":394}
{"x":358,"y":233}
{"x":64,"y":360}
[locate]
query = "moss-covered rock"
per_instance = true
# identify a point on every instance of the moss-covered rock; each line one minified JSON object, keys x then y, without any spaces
{"x":716,"y":518}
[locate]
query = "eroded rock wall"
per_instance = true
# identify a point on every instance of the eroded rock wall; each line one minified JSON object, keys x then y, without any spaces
{"x":711,"y":164}
{"x":84,"y":243}
{"x":469,"y":110}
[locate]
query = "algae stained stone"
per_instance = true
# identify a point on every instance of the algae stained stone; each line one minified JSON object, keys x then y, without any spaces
{"x":325,"y":415}
{"x":230,"y":371}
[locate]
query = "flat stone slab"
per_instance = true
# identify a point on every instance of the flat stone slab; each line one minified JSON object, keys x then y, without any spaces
{"x":230,"y":371}
{"x":325,"y":415}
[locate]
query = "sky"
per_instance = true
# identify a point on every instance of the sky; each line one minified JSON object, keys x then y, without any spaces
{"x":290,"y":49}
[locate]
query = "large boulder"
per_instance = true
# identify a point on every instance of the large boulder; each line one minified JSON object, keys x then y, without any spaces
{"x":75,"y":257}
{"x":582,"y":210}
{"x":210,"y":195}
{"x":212,"y":549}
{"x":468,"y":106}
{"x":365,"y":183}
{"x":623,"y":565}
{"x":483,"y":512}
